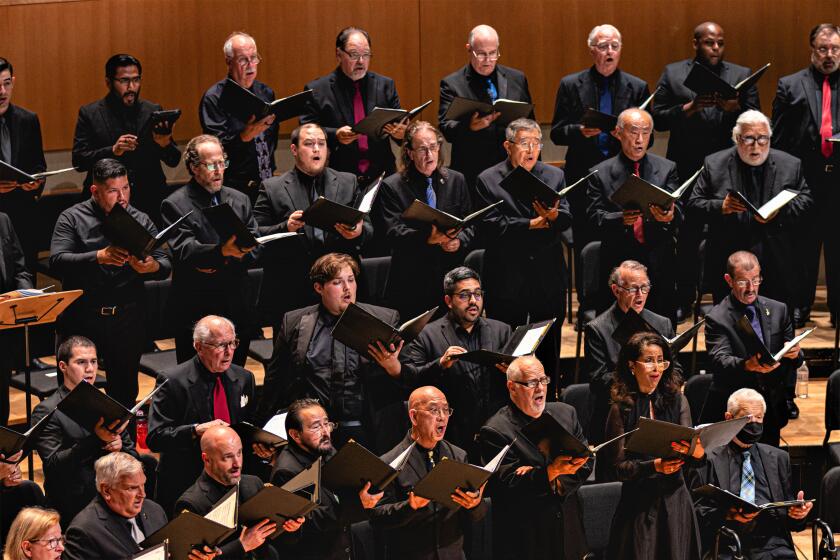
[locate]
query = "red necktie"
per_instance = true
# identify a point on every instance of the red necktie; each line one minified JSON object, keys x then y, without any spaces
{"x":220,"y":405}
{"x":639,"y":224}
{"x":359,"y":114}
{"x":825,"y":124}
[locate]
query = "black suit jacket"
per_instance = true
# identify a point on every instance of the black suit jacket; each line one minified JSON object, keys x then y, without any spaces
{"x":98,"y":533}
{"x":332,"y":108}
{"x":13,"y":273}
{"x":476,"y":392}
{"x":717,"y":470}
{"x":68,"y":453}
{"x":578,"y":92}
{"x":176,"y":408}
{"x":433,"y":531}
{"x":206,"y":492}
{"x":473,"y":152}
{"x":774,"y":242}
{"x":519,"y":260}
{"x":27,"y":155}
{"x":528,"y":516}
{"x":414,"y":279}
{"x":705,"y":132}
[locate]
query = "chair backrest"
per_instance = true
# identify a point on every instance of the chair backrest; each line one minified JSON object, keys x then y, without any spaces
{"x":828,"y":503}
{"x":158,"y":325}
{"x":475,"y":261}
{"x":590,"y":274}
{"x":374,"y":279}
{"x":832,"y":404}
{"x":696,"y":390}
{"x":579,"y":396}
{"x":598,"y":503}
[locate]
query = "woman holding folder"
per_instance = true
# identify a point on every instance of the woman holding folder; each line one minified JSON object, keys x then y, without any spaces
{"x":655,"y":518}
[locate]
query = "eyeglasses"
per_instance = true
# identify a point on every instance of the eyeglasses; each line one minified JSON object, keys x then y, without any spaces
{"x":643,"y":289}
{"x":51,"y":544}
{"x":532,"y":383}
{"x":466,"y":295}
{"x":834,"y":50}
{"x":214,"y":165}
{"x":231,"y":344}
{"x":426,"y":150}
{"x":492,"y":56}
{"x":650,"y":365}
{"x":358,"y":56}
{"x":604,"y":47}
{"x":529,"y":145}
{"x":244,"y":61}
{"x":745,"y":283}
{"x":319,"y":427}
{"x":440,"y":412}
{"x":762,"y":140}
{"x":126,"y":81}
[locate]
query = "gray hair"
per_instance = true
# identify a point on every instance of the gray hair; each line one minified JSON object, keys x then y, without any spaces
{"x":456,"y":275}
{"x":741,"y":259}
{"x":111,"y":468}
{"x":741,"y":397}
{"x":521,"y":124}
{"x":228,"y":46}
{"x":590,"y":40}
{"x":482,"y":29}
{"x":201,"y":330}
{"x":517,"y":366}
{"x":615,"y":275}
{"x":750,"y":118}
{"x":625,"y":114}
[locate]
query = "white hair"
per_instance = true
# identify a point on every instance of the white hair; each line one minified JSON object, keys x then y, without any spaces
{"x":750,"y":118}
{"x":228,"y":46}
{"x":521,"y":124}
{"x":625,"y":114}
{"x":201,"y":331}
{"x":516,"y":367}
{"x":742,"y":397}
{"x":111,"y":468}
{"x":590,"y":40}
{"x":482,"y":29}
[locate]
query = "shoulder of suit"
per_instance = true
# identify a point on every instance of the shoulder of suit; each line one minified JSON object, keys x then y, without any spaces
{"x":500,"y":420}
{"x":720,"y":158}
{"x":458,"y":454}
{"x":772,"y":304}
{"x":264,"y":88}
{"x":774,"y":452}
{"x":294,"y":316}
{"x":574,"y":77}
{"x":277,"y":180}
{"x":652,"y":318}
{"x":493,"y":171}
{"x":780,"y":156}
{"x":790,"y":79}
{"x":240,"y":371}
{"x":139,"y":215}
{"x":321,"y":82}
{"x":151,"y":507}
{"x":678,"y":66}
{"x":495,"y":324}
{"x":376,"y":309}
{"x":737,"y":68}
{"x":92,"y":106}
{"x":235,"y":194}
{"x":633,"y":80}
{"x":23,"y":114}
{"x":660,"y":161}
{"x":560,"y":408}
{"x":342,"y":176}
{"x":215,"y":90}
{"x":549,"y":170}
{"x":457,"y":75}
{"x":510,"y":72}
{"x":379,"y":78}
{"x":5,"y":221}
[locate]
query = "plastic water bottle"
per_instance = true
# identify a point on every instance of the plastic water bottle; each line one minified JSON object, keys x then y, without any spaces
{"x":802,"y":381}
{"x":142,"y":430}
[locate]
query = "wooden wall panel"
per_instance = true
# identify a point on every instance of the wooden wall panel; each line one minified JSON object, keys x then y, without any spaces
{"x":59,"y":49}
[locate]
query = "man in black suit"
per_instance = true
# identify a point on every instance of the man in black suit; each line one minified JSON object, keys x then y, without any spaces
{"x":249,"y":142}
{"x":326,"y":535}
{"x":759,"y":173}
{"x":630,"y":286}
{"x":532,"y":492}
{"x":602,"y":86}
{"x":420,"y":252}
{"x":357,"y":391}
{"x":415,"y":527}
{"x":625,"y":232}
{"x":210,"y":273}
{"x":805,"y":116}
{"x":20,"y":146}
{"x":120,"y":126}
{"x":67,"y":450}
{"x":477,"y":140}
{"x":524,"y":265}
{"x":221,"y":452}
{"x":700,"y":125}
{"x":111,"y":310}
{"x":279,"y":208}
{"x":206,"y":391}
{"x":344,"y":97}
{"x":734,"y":360}
{"x":475,"y":391}
{"x":119,"y":518}
{"x":757,"y":473}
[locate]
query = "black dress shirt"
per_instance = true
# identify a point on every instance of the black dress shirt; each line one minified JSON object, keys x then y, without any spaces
{"x":336,"y":381}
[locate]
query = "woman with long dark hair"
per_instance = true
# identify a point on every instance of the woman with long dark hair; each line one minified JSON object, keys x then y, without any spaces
{"x":655,"y":517}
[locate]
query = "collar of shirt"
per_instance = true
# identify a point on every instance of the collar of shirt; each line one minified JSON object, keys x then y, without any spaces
{"x":326,"y":317}
{"x":346,"y":82}
{"x":819,"y":77}
{"x":472,"y":75}
{"x":599,"y":78}
{"x":629,"y":163}
{"x":739,"y":306}
{"x":116,"y":105}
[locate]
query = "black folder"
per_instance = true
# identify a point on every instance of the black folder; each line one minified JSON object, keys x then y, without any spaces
{"x":527,"y":187}
{"x":463,"y":108}
{"x":755,"y":346}
{"x":325,"y":213}
{"x":354,"y":466}
{"x":169,"y":116}
{"x":250,"y":434}
{"x":593,"y":118}
{"x":770,"y":207}
{"x":227,"y":224}
{"x":423,"y":213}
{"x":377,"y":119}
{"x":638,"y":194}
{"x":9,"y":172}
{"x":634,"y":323}
{"x":294,"y":499}
{"x":124,"y":231}
{"x":561,"y":441}
{"x":448,"y":475}
{"x":356,"y":328}
{"x":654,"y":437}
{"x":703,"y":81}
{"x":86,"y":404}
{"x":244,"y":103}
{"x":725,"y":499}
{"x":157,"y":552}
{"x":11,"y":441}
{"x":524,"y":340}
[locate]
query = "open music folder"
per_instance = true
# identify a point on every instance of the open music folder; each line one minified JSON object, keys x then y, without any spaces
{"x":527,"y":187}
{"x":356,"y":328}
{"x":86,"y":404}
{"x":380,"y":117}
{"x":325,"y":213}
{"x":354,"y":466}
{"x":654,"y":437}
{"x":524,"y":341}
{"x":124,"y":231}
{"x":551,"y":436}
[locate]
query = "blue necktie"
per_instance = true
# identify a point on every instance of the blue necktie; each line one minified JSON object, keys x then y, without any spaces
{"x":752,"y":315}
{"x":747,"y":479}
{"x":431,"y":197}
{"x":215,"y":199}
{"x":492,"y":93}
{"x":605,"y":106}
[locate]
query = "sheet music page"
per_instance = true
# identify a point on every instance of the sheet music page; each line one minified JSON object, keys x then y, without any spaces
{"x":367,"y":201}
{"x":493,"y":465}
{"x":277,"y":425}
{"x":225,"y":511}
{"x":526,"y":345}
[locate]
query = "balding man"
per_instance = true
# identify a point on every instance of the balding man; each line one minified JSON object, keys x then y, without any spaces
{"x":602,"y":86}
{"x":206,"y":391}
{"x":758,"y":172}
{"x":534,"y":515}
{"x":758,"y":473}
{"x":221,"y":452}
{"x":624,"y":232}
{"x":477,"y":140}
{"x":415,"y":527}
{"x":249,"y":144}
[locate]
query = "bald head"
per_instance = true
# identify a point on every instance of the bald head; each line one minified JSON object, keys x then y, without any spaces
{"x":483,"y":49}
{"x":221,"y":451}
{"x":421,"y":396}
{"x":217,"y":436}
{"x":482,"y":33}
{"x":522,"y":365}
{"x":708,"y":42}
